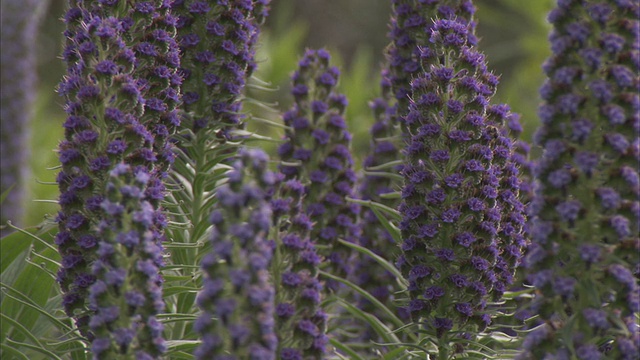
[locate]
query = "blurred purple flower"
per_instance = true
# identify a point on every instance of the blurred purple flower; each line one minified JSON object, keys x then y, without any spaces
{"x":20,"y":21}
{"x":245,"y":310}
{"x":586,"y":133}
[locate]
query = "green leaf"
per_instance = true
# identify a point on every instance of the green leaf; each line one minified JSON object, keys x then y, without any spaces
{"x":21,"y":329}
{"x":393,"y":213}
{"x":15,"y":352}
{"x":25,"y":299}
{"x":391,"y":229}
{"x":12,"y":247}
{"x":378,"y":326}
{"x":180,"y":345}
{"x":346,"y":349}
{"x":395,"y":353}
{"x":390,"y":314}
{"x":385,"y":174}
{"x":39,"y":349}
{"x":380,"y":260}
{"x":173,"y":290}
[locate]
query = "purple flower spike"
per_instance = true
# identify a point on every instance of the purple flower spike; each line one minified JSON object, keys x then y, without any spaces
{"x":321,"y":150}
{"x":120,"y":112}
{"x":136,"y":265}
{"x":407,"y":46}
{"x":217,"y":41}
{"x":462,"y":217}
{"x":587,"y":134}
{"x":238,"y":291}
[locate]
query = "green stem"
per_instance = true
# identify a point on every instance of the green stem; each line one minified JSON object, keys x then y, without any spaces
{"x":443,"y":348}
{"x":186,"y":301}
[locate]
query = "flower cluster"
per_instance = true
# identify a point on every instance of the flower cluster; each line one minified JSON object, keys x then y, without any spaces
{"x":237,"y":297}
{"x":316,"y":152}
{"x":157,"y":62}
{"x":409,"y":23}
{"x":216,"y":40}
{"x":113,"y":116}
{"x":453,"y":250}
{"x":512,"y":155}
{"x":301,"y":322}
{"x":20,"y":21}
{"x":126,"y":294}
{"x":586,"y":205}
{"x":410,"y":30}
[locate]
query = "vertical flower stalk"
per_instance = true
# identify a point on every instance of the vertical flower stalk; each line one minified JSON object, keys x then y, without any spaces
{"x":20,"y":22}
{"x":410,"y":29}
{"x":452,"y":246}
{"x":410,"y":26}
{"x":237,"y":297}
{"x":127,"y":293}
{"x":153,"y":30}
{"x":510,"y":155}
{"x":317,"y":152}
{"x":586,"y":205}
{"x":113,"y":116}
{"x":217,"y":40}
{"x":301,"y":322}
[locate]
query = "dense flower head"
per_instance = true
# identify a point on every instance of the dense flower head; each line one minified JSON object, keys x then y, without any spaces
{"x":410,"y":30}
{"x":316,"y":151}
{"x":20,"y":22}
{"x":217,"y":47}
{"x":299,"y":293}
{"x":586,"y":189}
{"x":116,"y":113}
{"x":126,"y":291}
{"x":457,"y":195}
{"x":236,"y":288}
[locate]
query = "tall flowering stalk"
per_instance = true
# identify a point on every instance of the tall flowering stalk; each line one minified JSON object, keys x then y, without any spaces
{"x":317,"y":152}
{"x":217,"y":41}
{"x":127,"y":293}
{"x":410,"y":26}
{"x":20,"y":20}
{"x":452,"y":249}
{"x":301,"y":322}
{"x":237,"y":297}
{"x":410,"y":29}
{"x":585,"y":207}
{"x":116,"y":112}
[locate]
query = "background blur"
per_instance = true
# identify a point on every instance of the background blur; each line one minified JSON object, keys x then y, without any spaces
{"x":513,"y":35}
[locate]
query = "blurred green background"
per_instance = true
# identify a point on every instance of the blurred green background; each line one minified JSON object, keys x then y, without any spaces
{"x":513,"y":35}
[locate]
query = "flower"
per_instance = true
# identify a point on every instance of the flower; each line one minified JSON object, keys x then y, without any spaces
{"x":129,"y":257}
{"x":409,"y":47}
{"x":217,"y":41}
{"x":110,"y":127}
{"x":466,"y":190}
{"x":586,"y":132}
{"x":245,"y":307}
{"x":320,"y":150}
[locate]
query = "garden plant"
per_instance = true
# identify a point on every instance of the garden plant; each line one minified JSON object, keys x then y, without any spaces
{"x":194,"y":218}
